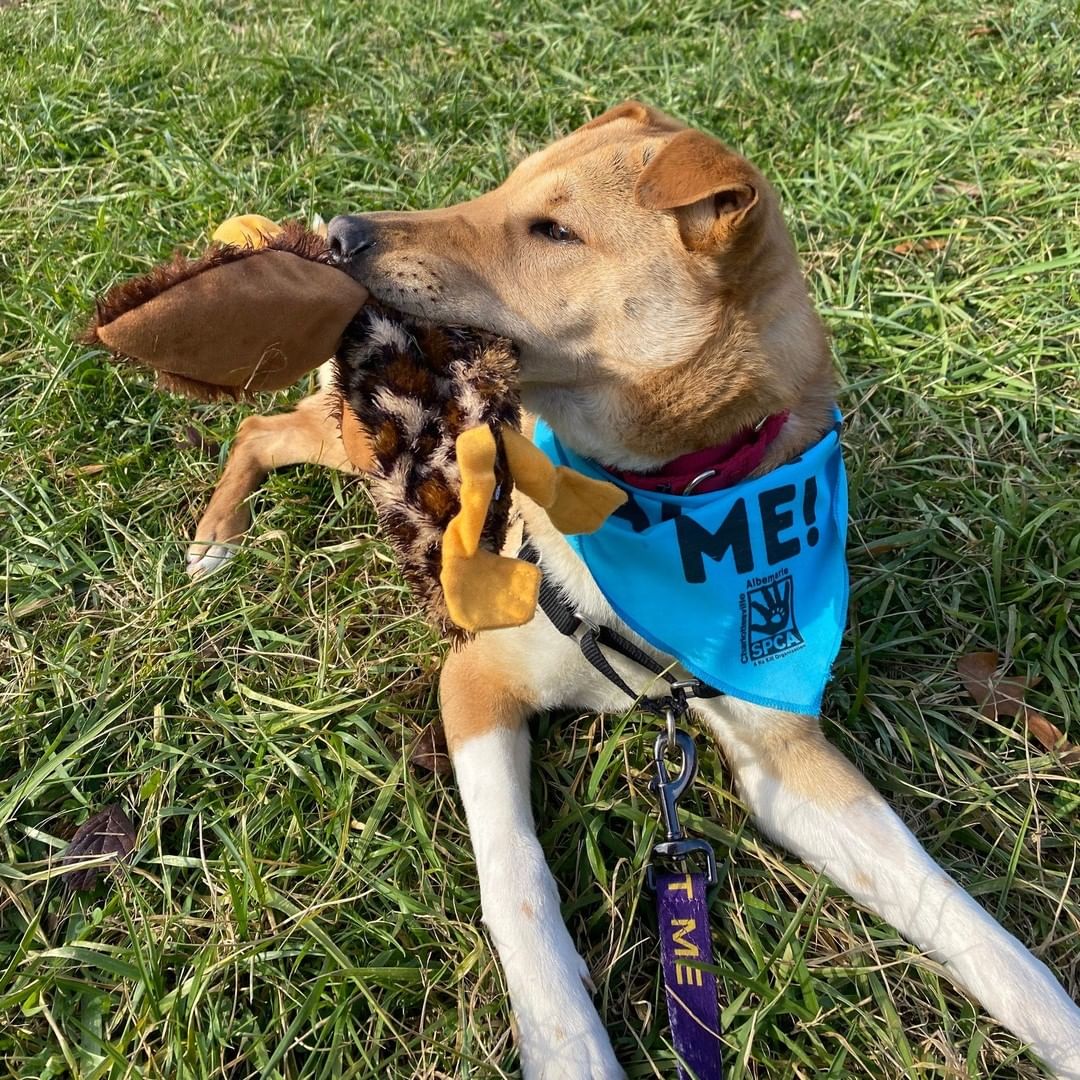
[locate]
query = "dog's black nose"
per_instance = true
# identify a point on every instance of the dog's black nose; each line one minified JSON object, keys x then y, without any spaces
{"x":350,"y":235}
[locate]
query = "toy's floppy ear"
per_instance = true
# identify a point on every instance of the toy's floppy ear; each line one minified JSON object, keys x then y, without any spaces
{"x":712,"y":190}
{"x":240,"y":319}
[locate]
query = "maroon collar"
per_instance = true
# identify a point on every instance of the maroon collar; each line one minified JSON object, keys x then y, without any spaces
{"x":713,"y":468}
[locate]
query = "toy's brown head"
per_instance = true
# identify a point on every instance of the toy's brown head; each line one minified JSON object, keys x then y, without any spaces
{"x":241,"y":319}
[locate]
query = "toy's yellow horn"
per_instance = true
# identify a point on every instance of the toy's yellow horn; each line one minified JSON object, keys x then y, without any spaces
{"x":246,"y":230}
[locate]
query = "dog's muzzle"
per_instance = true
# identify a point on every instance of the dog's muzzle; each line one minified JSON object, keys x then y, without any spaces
{"x":350,"y":236}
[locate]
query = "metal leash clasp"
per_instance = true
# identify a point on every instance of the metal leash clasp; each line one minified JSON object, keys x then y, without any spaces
{"x":669,"y":789}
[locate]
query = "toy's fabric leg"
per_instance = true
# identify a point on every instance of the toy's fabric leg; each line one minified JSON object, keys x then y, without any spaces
{"x":807,"y":796}
{"x":559,"y":1032}
{"x":306,"y":436}
{"x":484,"y":591}
{"x":574,"y":503}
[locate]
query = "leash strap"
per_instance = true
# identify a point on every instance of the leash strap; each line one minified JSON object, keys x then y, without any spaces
{"x":682,"y":911}
{"x":682,"y":918}
{"x":693,"y":1004}
{"x":592,"y":637}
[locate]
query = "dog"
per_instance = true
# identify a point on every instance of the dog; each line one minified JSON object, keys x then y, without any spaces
{"x":646,"y":275}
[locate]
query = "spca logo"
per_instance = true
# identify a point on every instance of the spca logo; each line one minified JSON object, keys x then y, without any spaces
{"x":768,"y":618}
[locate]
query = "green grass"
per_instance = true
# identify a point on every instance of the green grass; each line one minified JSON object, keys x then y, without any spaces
{"x":303,"y":902}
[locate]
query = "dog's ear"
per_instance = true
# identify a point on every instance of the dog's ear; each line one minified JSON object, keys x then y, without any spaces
{"x":712,"y":189}
{"x":645,"y":115}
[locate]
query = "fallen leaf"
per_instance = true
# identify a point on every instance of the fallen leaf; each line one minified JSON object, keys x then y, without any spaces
{"x":959,"y":187}
{"x":1050,"y":737}
{"x":994,"y":694}
{"x":108,"y":832}
{"x":429,"y":752}
{"x":88,"y":470}
{"x":195,"y":439}
{"x":980,"y":31}
{"x":882,"y":547}
{"x":929,"y":243}
{"x":795,"y":14}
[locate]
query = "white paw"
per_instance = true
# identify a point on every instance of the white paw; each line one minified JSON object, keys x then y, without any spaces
{"x":204,"y":558}
{"x":573,"y":1049}
{"x":560,"y":1035}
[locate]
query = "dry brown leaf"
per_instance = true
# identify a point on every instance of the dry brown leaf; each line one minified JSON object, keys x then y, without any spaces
{"x":960,"y":187}
{"x":882,"y":547}
{"x":977,"y":674}
{"x":195,"y":439}
{"x":929,"y":243}
{"x":87,"y":470}
{"x":994,"y":694}
{"x":1050,"y":737}
{"x":429,"y":752}
{"x":795,"y":14}
{"x":997,"y":696}
{"x":108,"y":832}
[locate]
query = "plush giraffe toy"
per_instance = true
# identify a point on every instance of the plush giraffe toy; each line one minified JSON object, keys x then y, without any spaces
{"x":437,"y":407}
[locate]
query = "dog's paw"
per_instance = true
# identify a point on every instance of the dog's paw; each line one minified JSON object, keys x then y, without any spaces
{"x":560,"y":1034}
{"x":217,"y":534}
{"x":571,"y":1051}
{"x":204,"y":558}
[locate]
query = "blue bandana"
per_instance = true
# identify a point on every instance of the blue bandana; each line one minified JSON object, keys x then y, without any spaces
{"x":746,"y":587}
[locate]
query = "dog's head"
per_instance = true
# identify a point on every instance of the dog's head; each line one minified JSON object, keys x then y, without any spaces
{"x":636,"y":263}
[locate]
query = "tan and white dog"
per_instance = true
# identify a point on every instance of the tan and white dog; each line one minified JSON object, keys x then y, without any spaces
{"x":646,"y":274}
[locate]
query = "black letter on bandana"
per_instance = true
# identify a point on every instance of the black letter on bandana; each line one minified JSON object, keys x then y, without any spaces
{"x":695,"y":541}
{"x":631,"y":512}
{"x":772,"y":523}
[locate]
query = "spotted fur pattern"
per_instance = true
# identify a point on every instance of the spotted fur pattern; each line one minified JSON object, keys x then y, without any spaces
{"x":415,"y":388}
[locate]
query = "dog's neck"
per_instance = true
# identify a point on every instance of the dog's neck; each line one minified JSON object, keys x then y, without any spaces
{"x":747,"y":369}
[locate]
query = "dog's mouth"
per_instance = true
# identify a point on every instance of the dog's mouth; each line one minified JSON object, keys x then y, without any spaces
{"x":403,"y":292}
{"x":419,"y":299}
{"x":382,"y":253}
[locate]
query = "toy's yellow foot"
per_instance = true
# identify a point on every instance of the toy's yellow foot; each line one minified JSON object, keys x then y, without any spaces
{"x":485,"y":591}
{"x":581,"y":504}
{"x":489,"y":592}
{"x":575,"y":503}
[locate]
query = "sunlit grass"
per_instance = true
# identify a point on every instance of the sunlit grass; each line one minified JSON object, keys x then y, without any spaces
{"x":303,"y":903}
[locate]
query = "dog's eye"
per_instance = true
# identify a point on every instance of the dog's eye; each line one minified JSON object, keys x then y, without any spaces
{"x":552,"y":230}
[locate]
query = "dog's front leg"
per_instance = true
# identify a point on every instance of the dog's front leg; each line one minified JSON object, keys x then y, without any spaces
{"x":807,"y":796}
{"x":559,"y":1032}
{"x":307,"y":435}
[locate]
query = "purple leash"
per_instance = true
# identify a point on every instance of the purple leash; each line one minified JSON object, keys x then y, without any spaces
{"x":682,"y":915}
